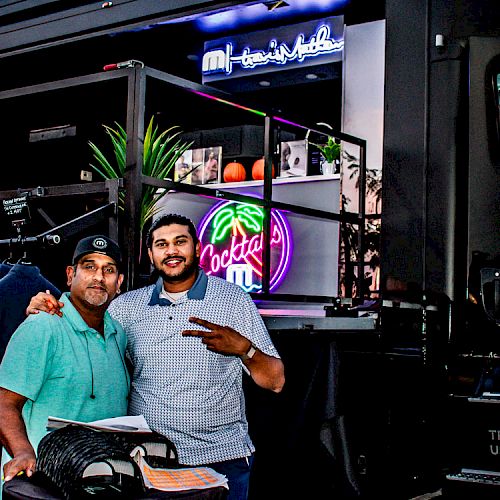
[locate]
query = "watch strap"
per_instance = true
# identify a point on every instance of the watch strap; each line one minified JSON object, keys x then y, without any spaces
{"x":249,"y":354}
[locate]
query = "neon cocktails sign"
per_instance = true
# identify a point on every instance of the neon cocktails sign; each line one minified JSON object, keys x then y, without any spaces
{"x":231,"y":236}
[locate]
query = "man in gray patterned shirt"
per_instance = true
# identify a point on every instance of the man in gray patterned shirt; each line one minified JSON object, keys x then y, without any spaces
{"x":190,"y":338}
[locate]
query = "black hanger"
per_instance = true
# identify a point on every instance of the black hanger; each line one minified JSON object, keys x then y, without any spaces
{"x":24,"y":258}
{"x":10,"y":259}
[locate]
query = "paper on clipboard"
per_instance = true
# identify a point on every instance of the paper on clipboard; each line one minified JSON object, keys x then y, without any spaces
{"x":131,"y":423}
{"x":180,"y":479}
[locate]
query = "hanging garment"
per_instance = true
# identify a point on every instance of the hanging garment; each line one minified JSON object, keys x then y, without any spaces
{"x":5,"y":268}
{"x":16,"y":289}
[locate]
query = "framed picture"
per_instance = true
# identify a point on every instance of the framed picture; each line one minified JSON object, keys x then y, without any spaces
{"x":212,"y":160}
{"x":293,"y":162}
{"x":182,"y":172}
{"x":199,"y":166}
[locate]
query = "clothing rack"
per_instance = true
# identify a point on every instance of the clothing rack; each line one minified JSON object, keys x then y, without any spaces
{"x":50,"y":239}
{"x":56,"y":234}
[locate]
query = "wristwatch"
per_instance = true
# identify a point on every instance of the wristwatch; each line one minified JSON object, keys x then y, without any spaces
{"x":249,"y":354}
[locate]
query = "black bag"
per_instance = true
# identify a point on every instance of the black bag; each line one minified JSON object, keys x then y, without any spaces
{"x":83,"y":462}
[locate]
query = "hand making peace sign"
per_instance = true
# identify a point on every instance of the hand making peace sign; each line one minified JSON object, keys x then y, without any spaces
{"x":220,"y":339}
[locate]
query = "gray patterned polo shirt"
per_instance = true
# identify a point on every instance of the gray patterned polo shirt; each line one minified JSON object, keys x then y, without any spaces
{"x":187,"y":393}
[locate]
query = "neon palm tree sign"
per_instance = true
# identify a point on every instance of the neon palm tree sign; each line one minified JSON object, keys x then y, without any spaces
{"x":231,"y":236}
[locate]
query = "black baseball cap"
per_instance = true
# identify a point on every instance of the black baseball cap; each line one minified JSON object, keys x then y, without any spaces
{"x":97,"y":244}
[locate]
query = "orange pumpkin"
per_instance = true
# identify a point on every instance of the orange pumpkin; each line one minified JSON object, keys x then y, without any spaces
{"x":258,"y":169}
{"x":234,"y":172}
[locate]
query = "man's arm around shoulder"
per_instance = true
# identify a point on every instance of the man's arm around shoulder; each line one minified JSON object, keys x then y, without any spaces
{"x":13,"y":435}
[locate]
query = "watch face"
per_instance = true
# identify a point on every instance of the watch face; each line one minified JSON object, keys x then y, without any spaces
{"x":250,"y":353}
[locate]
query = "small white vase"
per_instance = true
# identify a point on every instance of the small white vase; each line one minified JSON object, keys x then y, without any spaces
{"x":328,"y":168}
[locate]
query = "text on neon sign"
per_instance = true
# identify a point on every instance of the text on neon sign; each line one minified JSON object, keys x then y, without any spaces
{"x":232,"y":240}
{"x":241,"y":248}
{"x":318,"y":44}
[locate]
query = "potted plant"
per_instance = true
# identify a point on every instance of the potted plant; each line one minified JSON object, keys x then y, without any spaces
{"x":330,"y":152}
{"x":161,"y":151}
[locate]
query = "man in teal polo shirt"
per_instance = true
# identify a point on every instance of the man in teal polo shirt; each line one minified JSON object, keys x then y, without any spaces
{"x":71,"y":367}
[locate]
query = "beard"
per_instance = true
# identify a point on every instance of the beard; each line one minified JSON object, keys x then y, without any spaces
{"x":189,"y":270}
{"x":96,"y":298}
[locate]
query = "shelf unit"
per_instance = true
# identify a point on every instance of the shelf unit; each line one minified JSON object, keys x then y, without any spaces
{"x":146,"y":90}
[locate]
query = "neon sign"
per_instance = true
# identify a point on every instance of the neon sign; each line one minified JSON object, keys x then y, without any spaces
{"x":305,"y":44}
{"x":231,"y":236}
{"x":318,"y":44}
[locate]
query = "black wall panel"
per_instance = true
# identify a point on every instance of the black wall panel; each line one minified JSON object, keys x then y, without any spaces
{"x":404,"y":141}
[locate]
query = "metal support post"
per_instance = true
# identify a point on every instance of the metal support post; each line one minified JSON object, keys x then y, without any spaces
{"x":133,"y":172}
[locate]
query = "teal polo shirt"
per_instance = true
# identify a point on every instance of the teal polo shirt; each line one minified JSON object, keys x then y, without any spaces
{"x":54,"y":361}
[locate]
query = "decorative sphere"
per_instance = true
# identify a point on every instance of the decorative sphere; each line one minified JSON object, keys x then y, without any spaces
{"x":234,"y":172}
{"x":258,"y":169}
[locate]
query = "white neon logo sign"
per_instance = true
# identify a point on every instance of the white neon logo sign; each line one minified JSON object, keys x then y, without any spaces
{"x":318,"y":44}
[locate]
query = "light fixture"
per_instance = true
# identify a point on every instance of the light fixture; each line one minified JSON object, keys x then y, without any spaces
{"x":312,"y":76}
{"x":264,"y":83}
{"x":276,"y":4}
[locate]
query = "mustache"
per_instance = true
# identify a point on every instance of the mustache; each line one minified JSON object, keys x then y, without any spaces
{"x":167,"y":259}
{"x":98,"y":286}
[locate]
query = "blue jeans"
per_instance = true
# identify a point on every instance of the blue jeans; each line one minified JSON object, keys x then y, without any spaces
{"x":237,"y":472}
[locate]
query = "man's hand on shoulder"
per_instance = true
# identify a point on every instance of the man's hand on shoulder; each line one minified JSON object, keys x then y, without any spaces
{"x":23,"y":462}
{"x":46,"y":302}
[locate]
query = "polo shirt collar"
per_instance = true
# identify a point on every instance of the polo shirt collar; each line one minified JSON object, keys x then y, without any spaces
{"x":78,"y":323}
{"x":196,"y":292}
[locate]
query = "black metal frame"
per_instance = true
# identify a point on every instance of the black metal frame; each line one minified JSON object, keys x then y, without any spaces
{"x":110,"y":187}
{"x":134,"y":179}
{"x":38,"y":24}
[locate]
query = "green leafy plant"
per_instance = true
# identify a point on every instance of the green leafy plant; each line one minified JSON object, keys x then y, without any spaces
{"x":373,"y":177}
{"x":330,"y":150}
{"x":348,"y":232}
{"x":160,"y":153}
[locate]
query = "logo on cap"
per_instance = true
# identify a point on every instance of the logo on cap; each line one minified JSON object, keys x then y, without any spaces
{"x":100,"y":243}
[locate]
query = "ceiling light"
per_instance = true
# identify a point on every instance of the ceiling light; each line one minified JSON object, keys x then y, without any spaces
{"x":311,"y":76}
{"x":264,"y":83}
{"x":276,"y":4}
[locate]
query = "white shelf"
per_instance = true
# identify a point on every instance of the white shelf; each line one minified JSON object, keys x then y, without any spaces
{"x":278,"y":180}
